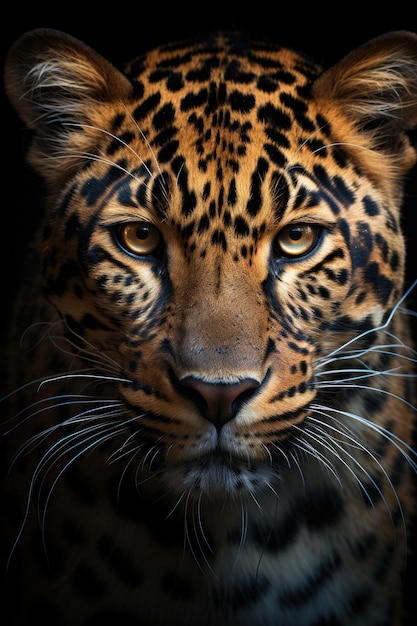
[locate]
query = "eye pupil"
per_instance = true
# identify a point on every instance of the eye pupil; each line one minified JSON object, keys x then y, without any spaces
{"x":142,"y":232}
{"x":295,"y":234}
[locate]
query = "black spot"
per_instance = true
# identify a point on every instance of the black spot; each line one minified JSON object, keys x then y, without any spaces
{"x":91,"y":322}
{"x":60,"y":284}
{"x":371,"y":491}
{"x":174,"y":82}
{"x":241,"y":102}
{"x":315,"y":145}
{"x":203,"y":224}
{"x":394,"y":261}
{"x":120,"y":561}
{"x":94,"y":188}
{"x":117,"y":122}
{"x":324,"y":292}
{"x":267,"y":84}
{"x":232,"y":193}
{"x":276,"y":156}
{"x":241,"y":227}
{"x":362,"y":246}
{"x":293,"y":103}
{"x":235,"y":74}
{"x":160,"y":187}
{"x":360,"y":297}
{"x":312,"y":584}
{"x":167,"y":152}
{"x":283,"y":76}
{"x":165,"y":136}
{"x":66,"y":200}
{"x":297,"y":348}
{"x":146,"y":107}
{"x":322,"y":509}
{"x":370,"y":206}
{"x":277,"y":538}
{"x":72,"y":227}
{"x":275,"y":117}
{"x":194,"y":100}
{"x":124,"y":194}
{"x":227,"y":218}
{"x":206,"y":191}
{"x":219,"y":238}
{"x":138,"y":90}
{"x":373,"y":401}
{"x":383,"y":246}
{"x":336,"y":185}
{"x":381,"y":284}
{"x":119,"y":142}
{"x":340,"y":277}
{"x":187,"y":231}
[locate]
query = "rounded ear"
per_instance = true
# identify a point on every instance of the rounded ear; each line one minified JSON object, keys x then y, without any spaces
{"x":375,"y":88}
{"x":56,"y":85}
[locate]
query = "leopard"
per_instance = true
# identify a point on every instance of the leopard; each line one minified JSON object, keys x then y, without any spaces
{"x":210,"y":400}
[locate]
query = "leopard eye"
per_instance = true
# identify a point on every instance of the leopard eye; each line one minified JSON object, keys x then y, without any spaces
{"x":296,"y":240}
{"x":139,"y":238}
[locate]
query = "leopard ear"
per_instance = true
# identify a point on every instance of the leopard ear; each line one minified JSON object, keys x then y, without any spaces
{"x":61,"y":89}
{"x":374,"y":89}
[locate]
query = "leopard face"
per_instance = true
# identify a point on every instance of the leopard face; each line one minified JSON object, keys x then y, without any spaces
{"x":223,"y":218}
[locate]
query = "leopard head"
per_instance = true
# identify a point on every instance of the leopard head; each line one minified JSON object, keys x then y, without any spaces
{"x":222,"y":216}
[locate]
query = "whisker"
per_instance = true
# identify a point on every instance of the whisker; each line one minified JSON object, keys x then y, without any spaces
{"x":324,"y":439}
{"x":145,"y":139}
{"x":61,"y":401}
{"x":309,"y":449}
{"x":96,"y":435}
{"x":189,"y":542}
{"x":369,"y":388}
{"x":118,"y":139}
{"x":405,"y":449}
{"x":90,"y":156}
{"x":72,"y":376}
{"x":376,"y":328}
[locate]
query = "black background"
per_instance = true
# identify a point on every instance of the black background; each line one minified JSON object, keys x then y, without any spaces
{"x":119,"y":30}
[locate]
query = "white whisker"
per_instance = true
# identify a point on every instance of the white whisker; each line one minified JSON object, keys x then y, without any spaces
{"x":403,"y":448}
{"x":119,"y":140}
{"x":376,"y":328}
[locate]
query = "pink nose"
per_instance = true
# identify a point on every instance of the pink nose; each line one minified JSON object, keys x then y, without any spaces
{"x":219,"y":402}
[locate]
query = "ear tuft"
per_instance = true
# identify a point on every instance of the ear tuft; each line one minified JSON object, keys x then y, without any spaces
{"x":56,"y":84}
{"x":375,"y":87}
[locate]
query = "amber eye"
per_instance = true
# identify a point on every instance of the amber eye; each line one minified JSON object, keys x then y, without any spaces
{"x":139,"y":238}
{"x":296,"y":240}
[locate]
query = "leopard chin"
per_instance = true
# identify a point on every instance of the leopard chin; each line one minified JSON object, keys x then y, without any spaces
{"x":215,"y":477}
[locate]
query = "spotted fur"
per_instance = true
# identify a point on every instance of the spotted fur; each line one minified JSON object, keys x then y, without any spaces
{"x":211,"y":410}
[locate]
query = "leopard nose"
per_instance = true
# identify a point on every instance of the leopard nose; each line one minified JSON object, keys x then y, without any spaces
{"x":219,"y":402}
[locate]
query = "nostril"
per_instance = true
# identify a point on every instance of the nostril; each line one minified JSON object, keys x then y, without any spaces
{"x":219,"y":402}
